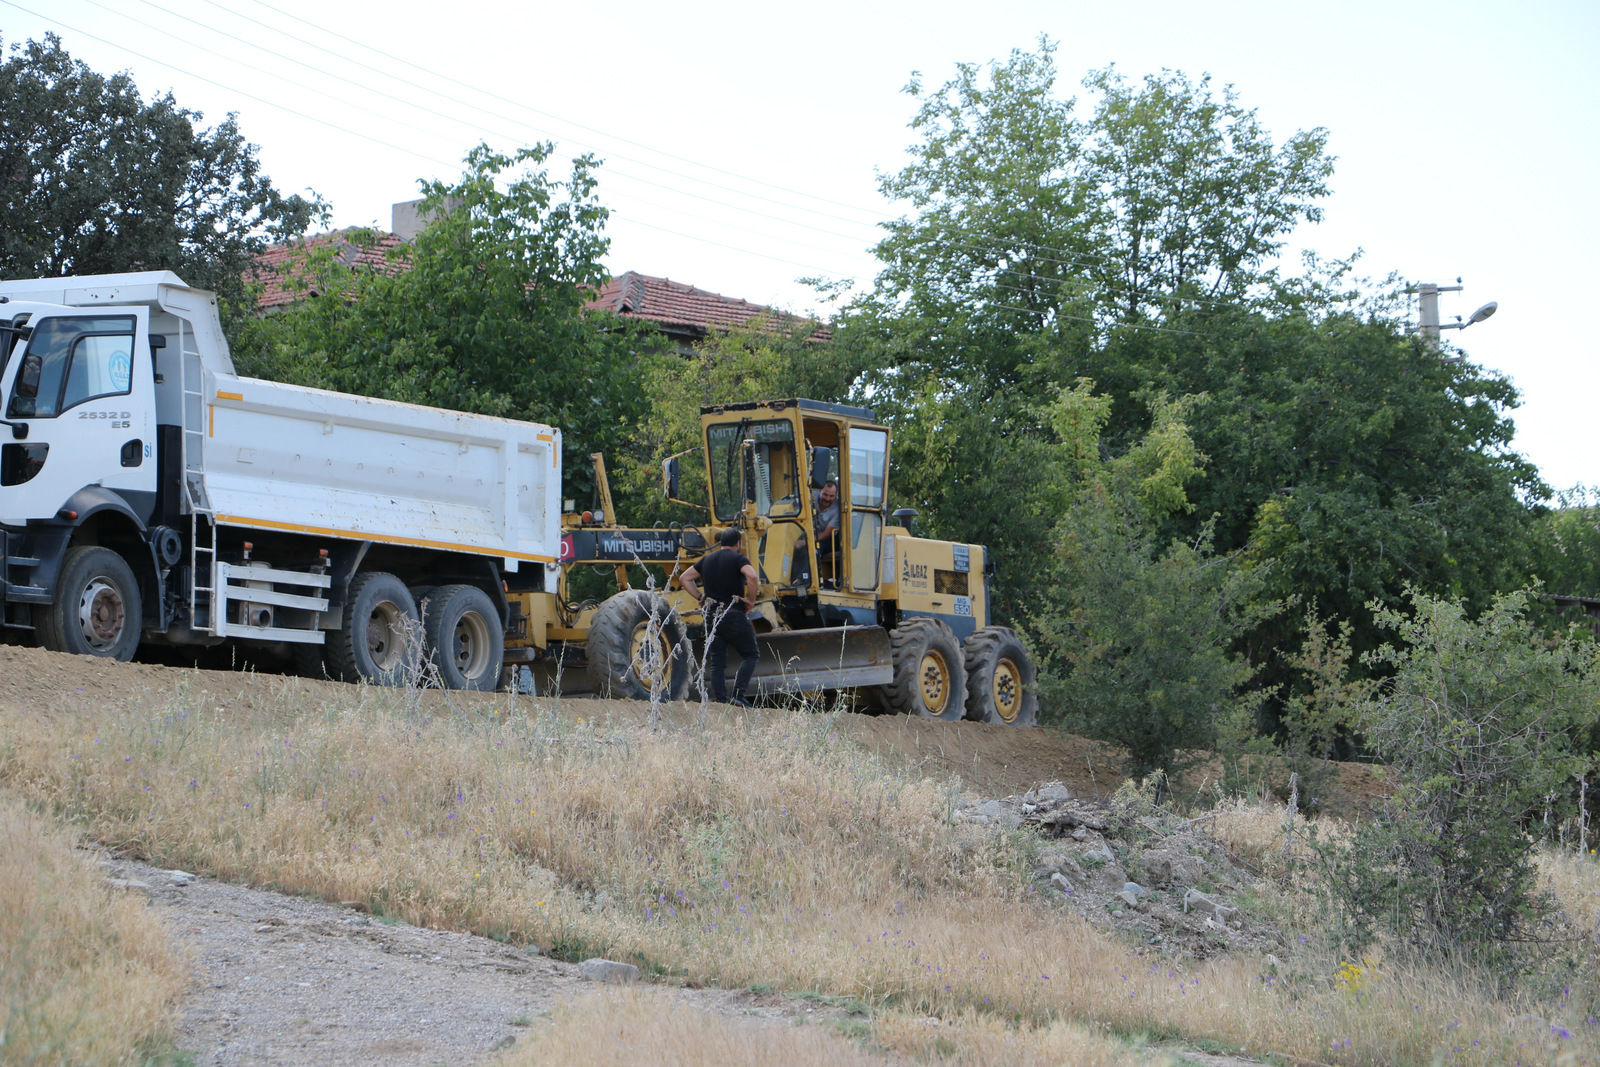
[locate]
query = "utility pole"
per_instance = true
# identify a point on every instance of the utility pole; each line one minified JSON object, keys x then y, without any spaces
{"x":1428,"y":299}
{"x":1428,"y":312}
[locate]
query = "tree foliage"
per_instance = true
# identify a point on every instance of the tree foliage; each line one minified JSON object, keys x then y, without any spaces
{"x":98,"y":181}
{"x":1132,"y":239}
{"x":1476,"y":728}
{"x":1140,"y":650}
{"x":484,"y":312}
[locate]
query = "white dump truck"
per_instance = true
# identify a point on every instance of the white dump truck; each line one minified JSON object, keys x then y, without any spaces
{"x":150,"y":493}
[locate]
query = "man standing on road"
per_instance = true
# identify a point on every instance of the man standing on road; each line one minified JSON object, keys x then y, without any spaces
{"x":730,"y":591}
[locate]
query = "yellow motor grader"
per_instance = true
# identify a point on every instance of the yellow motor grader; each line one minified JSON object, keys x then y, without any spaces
{"x":891,"y":620}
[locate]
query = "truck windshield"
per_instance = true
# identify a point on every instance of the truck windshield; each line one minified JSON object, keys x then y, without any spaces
{"x":777,"y":482}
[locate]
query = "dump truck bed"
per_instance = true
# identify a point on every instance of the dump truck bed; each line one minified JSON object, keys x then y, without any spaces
{"x":286,"y":457}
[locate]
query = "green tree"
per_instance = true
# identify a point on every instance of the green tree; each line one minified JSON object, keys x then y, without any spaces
{"x":770,"y":357}
{"x":99,"y":182}
{"x":1132,"y":242}
{"x":484,"y":312}
{"x":1476,"y":729}
{"x":1141,"y":647}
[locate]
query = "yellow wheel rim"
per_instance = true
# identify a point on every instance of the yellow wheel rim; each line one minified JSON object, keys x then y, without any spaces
{"x":649,"y":654}
{"x":1006,"y":689}
{"x":933,"y":674}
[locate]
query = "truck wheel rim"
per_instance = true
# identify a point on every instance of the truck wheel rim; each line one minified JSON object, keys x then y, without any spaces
{"x":649,"y":654}
{"x":934,"y":677}
{"x":101,"y":614}
{"x":471,"y":645}
{"x":1007,"y":690}
{"x":386,"y":635}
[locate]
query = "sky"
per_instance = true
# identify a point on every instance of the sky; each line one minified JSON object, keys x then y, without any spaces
{"x":742,"y":143}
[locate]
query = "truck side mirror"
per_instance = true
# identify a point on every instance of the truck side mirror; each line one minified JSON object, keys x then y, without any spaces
{"x":669,"y":478}
{"x":821,"y":466}
{"x":28,"y":376}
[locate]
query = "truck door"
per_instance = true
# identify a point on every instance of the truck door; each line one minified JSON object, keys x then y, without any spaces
{"x":85,"y":389}
{"x":868,"y":474}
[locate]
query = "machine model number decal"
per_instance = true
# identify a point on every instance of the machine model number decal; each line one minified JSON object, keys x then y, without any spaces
{"x":121,"y":419}
{"x":963,"y":605}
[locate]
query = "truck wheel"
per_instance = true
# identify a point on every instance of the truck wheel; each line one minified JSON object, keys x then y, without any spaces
{"x":464,"y":636}
{"x":378,"y":640}
{"x":1000,"y":678}
{"x":930,"y":679}
{"x":309,"y":661}
{"x":636,"y":644}
{"x":97,"y":611}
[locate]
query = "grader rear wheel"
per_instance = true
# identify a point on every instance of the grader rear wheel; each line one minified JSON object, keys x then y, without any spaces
{"x":1000,"y":678}
{"x":930,"y":678}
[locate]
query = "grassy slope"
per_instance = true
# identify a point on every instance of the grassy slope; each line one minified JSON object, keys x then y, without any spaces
{"x":765,"y":851}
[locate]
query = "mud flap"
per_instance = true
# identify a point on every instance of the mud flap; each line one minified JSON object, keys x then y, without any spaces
{"x":838,"y":657}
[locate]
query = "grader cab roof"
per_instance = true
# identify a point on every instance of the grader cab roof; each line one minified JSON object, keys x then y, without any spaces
{"x":780,"y":405}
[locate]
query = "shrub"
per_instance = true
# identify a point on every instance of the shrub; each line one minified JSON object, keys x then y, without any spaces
{"x":1476,"y":726}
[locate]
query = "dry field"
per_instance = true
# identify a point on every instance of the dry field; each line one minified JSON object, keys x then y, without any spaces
{"x":767,"y":849}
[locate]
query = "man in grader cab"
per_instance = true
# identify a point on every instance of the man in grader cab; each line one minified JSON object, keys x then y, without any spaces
{"x":893,"y":621}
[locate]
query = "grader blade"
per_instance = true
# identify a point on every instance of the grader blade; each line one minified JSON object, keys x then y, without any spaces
{"x":839,"y":657}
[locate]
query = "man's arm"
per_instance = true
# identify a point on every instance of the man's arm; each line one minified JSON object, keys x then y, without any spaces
{"x":751,"y":582}
{"x":690,"y":579}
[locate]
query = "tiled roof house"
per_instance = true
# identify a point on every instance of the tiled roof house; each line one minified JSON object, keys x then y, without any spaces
{"x":683,"y":313}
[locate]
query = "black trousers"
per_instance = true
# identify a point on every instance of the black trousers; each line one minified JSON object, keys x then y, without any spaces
{"x":733,"y":628}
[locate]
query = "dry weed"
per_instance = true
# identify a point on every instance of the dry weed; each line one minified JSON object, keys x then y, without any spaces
{"x":626,"y":1028}
{"x":976,"y":1040}
{"x":767,"y":851}
{"x":87,"y":972}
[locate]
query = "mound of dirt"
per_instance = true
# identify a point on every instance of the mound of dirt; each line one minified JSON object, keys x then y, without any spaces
{"x":991,"y":760}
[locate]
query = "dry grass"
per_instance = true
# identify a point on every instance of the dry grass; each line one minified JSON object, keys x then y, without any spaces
{"x":978,"y":1040}
{"x":766,"y":851}
{"x":626,"y":1028}
{"x":87,"y":972}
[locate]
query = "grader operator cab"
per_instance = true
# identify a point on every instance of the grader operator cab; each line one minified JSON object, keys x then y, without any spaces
{"x":850,"y":600}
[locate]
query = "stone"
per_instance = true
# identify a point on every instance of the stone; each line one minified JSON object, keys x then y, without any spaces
{"x":180,"y":877}
{"x":1135,"y":890}
{"x":1109,"y":879}
{"x":1197,"y":901}
{"x":127,"y":883}
{"x":992,"y":809}
{"x":1163,"y":866}
{"x":1060,"y":882}
{"x":509,"y":1041}
{"x":1130,"y":899}
{"x":599,"y":970}
{"x":1053,"y":791}
{"x":1103,"y":854}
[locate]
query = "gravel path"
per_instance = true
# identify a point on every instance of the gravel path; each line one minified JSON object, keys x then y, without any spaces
{"x":286,"y":980}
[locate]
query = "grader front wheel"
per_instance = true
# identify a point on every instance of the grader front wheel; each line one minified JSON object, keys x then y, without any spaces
{"x":637,"y":647}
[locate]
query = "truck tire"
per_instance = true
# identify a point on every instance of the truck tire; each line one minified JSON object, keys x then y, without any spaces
{"x":1000,"y":678}
{"x":378,"y":641}
{"x":635,"y":643}
{"x":97,"y":610}
{"x":310,"y":660}
{"x":464,"y":637}
{"x":930,"y":678}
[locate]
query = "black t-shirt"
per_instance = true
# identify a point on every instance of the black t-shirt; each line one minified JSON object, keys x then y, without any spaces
{"x":721,"y":575}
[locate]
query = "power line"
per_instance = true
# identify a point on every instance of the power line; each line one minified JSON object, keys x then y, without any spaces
{"x":228,"y":88}
{"x":534,"y":110}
